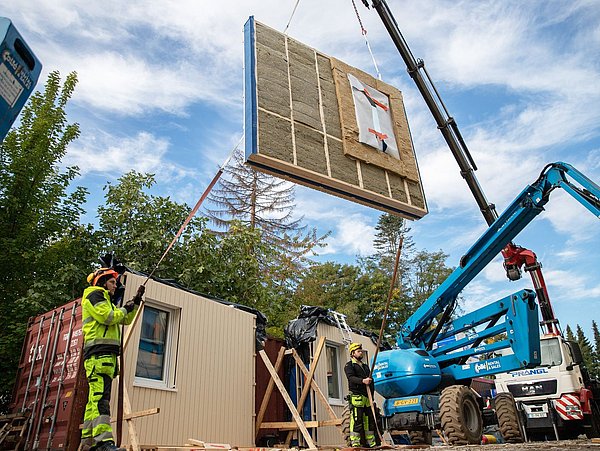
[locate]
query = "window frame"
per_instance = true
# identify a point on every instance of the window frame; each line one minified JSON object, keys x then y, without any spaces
{"x":338,"y":348}
{"x":168,"y":381}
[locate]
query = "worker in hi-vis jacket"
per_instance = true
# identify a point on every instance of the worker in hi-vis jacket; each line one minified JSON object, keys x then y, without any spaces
{"x":101,"y":347}
{"x":359,"y":381}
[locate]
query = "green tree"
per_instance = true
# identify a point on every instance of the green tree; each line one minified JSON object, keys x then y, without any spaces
{"x":595,"y":370}
{"x":260,"y":201}
{"x":45,"y":248}
{"x":585,"y":346}
{"x":569,"y":334}
{"x":389,"y":230}
{"x":138,"y":226}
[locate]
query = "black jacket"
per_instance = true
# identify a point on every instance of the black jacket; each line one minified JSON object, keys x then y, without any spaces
{"x":356,"y":372}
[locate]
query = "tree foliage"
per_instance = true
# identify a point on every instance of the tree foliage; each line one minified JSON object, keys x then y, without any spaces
{"x":260,"y":201}
{"x":44,"y":246}
{"x":586,"y":348}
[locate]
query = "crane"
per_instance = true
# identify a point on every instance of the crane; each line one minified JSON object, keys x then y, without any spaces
{"x":516,"y":257}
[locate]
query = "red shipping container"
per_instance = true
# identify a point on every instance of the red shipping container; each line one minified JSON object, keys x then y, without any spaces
{"x":51,"y":384}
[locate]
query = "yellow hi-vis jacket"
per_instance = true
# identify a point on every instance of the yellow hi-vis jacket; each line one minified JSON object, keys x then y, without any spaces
{"x":101,"y":320}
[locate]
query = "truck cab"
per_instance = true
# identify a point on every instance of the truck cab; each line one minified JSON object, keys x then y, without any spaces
{"x":556,"y":399}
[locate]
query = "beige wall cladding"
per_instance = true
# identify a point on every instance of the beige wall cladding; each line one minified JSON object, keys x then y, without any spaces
{"x":213,"y":396}
{"x":301,"y":125}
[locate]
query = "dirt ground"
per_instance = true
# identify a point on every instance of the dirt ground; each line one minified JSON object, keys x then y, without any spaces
{"x":562,"y":445}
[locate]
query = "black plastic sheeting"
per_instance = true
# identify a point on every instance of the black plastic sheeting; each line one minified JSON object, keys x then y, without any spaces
{"x":303,"y":329}
{"x":261,"y":320}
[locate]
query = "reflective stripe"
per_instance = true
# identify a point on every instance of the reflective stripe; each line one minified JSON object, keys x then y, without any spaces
{"x":89,"y":319}
{"x":87,"y":425}
{"x":124,"y":310}
{"x":101,"y":419}
{"x":110,"y":317}
{"x":101,"y":341}
{"x":103,"y":437}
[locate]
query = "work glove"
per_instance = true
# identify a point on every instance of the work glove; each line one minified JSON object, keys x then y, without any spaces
{"x":129,"y":306}
{"x":137,"y":300}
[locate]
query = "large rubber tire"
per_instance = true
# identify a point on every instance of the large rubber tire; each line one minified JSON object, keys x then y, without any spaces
{"x":420,"y":437}
{"x":460,"y":416}
{"x":346,"y":425}
{"x":593,"y":429}
{"x":508,"y":418}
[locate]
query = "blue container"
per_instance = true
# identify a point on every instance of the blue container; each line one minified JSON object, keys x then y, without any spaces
{"x":404,"y":372}
{"x":19,"y":72}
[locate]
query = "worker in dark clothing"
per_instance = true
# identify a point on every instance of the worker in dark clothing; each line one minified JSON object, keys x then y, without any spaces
{"x":359,"y":381}
{"x":101,"y":346}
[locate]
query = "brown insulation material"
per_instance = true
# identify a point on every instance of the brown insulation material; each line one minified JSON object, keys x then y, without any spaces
{"x":306,"y":93}
{"x":277,"y":132}
{"x":342,"y":167}
{"x":374,"y":179}
{"x":397,"y":187}
{"x":308,"y":143}
{"x":416,"y":197}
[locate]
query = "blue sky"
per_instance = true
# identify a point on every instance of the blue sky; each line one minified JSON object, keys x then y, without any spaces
{"x":161,"y":90}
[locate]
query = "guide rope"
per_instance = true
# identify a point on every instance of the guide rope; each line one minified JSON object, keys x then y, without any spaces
{"x":290,"y":21}
{"x":196,"y":207}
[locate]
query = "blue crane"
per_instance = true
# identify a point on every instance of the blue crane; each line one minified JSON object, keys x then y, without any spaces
{"x":421,"y":379}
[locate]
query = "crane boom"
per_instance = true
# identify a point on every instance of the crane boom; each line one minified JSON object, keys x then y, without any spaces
{"x":515,"y":257}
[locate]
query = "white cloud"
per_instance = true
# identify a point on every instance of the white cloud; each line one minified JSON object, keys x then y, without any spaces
{"x":112,"y":155}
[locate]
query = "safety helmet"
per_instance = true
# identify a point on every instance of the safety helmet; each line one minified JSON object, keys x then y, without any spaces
{"x":94,"y":277}
{"x":354,"y":346}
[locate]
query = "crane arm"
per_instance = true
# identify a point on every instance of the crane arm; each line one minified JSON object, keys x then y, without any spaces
{"x":515,"y":218}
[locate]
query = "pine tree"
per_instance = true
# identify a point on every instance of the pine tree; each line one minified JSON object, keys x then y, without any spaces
{"x":595,"y":370}
{"x":569,"y":333}
{"x":586,"y":348}
{"x":265,"y":203}
{"x":389,"y":230}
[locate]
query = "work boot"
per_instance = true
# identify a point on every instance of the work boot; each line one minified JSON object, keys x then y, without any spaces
{"x":109,"y":445}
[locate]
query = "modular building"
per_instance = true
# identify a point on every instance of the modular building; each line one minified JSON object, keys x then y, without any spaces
{"x":191,"y":356}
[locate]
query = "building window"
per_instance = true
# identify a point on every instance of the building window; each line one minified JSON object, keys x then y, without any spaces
{"x":333,"y":372}
{"x":157,"y":349}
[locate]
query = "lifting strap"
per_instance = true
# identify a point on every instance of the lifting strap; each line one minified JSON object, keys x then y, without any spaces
{"x":363,"y":31}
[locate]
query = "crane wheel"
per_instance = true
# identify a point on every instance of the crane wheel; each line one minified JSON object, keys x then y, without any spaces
{"x":420,"y":437}
{"x":460,"y":416}
{"x":508,"y":418}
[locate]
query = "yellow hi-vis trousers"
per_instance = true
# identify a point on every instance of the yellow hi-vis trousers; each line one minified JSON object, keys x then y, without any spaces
{"x":100,"y":371}
{"x":361,"y":420}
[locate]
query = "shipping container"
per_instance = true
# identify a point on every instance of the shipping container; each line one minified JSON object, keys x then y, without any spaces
{"x":50,"y":386}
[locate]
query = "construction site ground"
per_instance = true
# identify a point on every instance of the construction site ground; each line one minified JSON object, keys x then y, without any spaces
{"x":530,"y":446}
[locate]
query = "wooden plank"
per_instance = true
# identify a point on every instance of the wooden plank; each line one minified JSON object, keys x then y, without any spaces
{"x":287,"y":399}
{"x":307,"y":383}
{"x":138,"y":414}
{"x":268,"y":392}
{"x":133,"y":438}
{"x":291,"y":425}
{"x":316,"y":388}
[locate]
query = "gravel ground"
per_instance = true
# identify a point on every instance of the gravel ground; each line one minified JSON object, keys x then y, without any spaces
{"x":531,"y":446}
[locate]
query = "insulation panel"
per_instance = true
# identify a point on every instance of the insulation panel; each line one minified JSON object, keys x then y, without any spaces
{"x":317,"y":121}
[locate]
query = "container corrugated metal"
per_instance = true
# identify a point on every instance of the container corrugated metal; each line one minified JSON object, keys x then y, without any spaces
{"x":50,"y":384}
{"x":211,"y":395}
{"x":276,"y":409}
